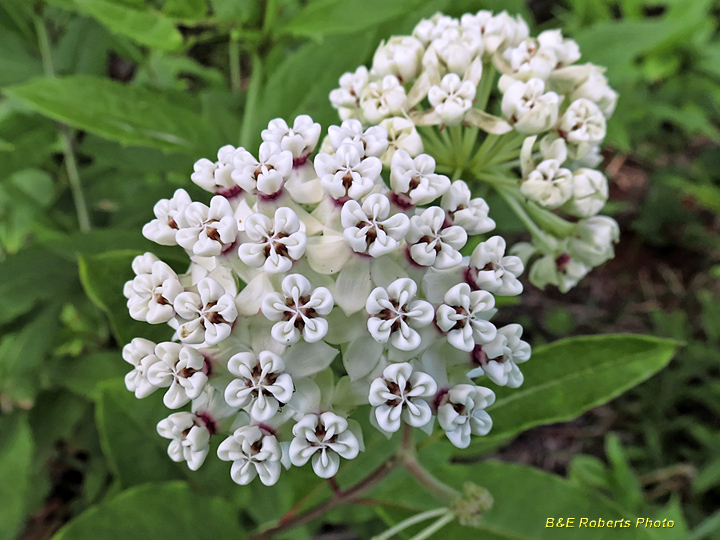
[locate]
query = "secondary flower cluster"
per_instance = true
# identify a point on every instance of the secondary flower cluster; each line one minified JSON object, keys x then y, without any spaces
{"x":543,"y":115}
{"x":355,"y":254}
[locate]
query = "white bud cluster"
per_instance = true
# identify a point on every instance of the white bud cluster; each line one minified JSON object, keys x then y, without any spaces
{"x":318,"y":284}
{"x":485,"y":71}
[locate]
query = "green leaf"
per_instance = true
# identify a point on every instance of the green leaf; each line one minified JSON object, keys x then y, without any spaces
{"x":154,"y":512}
{"x":83,"y":375}
{"x":143,"y":26}
{"x":566,"y":378}
{"x":103,"y":277}
{"x":132,"y":115}
{"x":16,"y":455}
{"x":186,"y":9}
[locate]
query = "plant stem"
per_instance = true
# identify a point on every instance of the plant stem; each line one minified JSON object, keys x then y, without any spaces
{"x":516,"y":206}
{"x":409,"y":522}
{"x":234,"y":59}
{"x":439,"y":524}
{"x":247,"y":128}
{"x":83,"y":216}
{"x":340,"y":497}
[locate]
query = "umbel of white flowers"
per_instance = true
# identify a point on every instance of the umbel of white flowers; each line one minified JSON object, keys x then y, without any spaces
{"x":355,"y":279}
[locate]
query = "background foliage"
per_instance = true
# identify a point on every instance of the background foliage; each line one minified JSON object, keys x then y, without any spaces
{"x":105,"y":106}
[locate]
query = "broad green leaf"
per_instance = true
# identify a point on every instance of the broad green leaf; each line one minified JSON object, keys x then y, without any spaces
{"x":245,"y":11}
{"x":144,"y":26}
{"x":17,"y":63}
{"x":156,"y":512}
{"x":83,"y":375}
{"x":186,"y":9}
{"x":566,"y":378}
{"x":132,"y":115}
{"x":103,"y":277}
{"x":16,"y":455}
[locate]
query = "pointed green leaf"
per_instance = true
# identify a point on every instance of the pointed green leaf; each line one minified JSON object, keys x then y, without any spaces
{"x":16,"y":456}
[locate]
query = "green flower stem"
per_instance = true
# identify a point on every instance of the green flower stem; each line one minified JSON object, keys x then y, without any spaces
{"x":234,"y":60}
{"x":550,"y":221}
{"x":432,"y":529}
{"x":511,"y":198}
{"x":485,"y":87}
{"x":409,"y":522}
{"x":496,"y":179}
{"x":247,"y":129}
{"x":81,"y":209}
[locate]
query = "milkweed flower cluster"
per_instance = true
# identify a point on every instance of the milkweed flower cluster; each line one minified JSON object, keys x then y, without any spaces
{"x":320,"y":282}
{"x":542,"y":116}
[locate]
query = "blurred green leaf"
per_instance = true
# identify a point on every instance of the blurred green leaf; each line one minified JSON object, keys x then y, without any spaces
{"x":155,"y":512}
{"x":626,"y":486}
{"x":83,"y":375}
{"x":185,"y":9}
{"x":16,"y":457}
{"x":245,"y":11}
{"x":131,"y":115}
{"x":568,"y":377}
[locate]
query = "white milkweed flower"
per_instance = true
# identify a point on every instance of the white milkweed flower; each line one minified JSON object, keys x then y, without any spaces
{"x":595,"y":88}
{"x":189,"y":438}
{"x":529,"y":108}
{"x":400,"y":56}
{"x":262,"y":387}
{"x":499,"y":358}
{"x":325,"y":438}
{"x":413,"y":180}
{"x":153,"y":290}
{"x":491,"y":270}
{"x":469,"y":213}
{"x":370,"y":228}
{"x":428,"y":29}
{"x":401,"y":394}
{"x":590,"y":193}
{"x":431,"y":243}
{"x":164,"y":227}
{"x":582,"y":122}
{"x":455,"y":50}
{"x":497,"y":31}
{"x":462,"y":413}
{"x":452,"y":98}
{"x":266,"y":175}
{"x":373,"y":141}
{"x":402,"y":134}
{"x":548,"y":184}
{"x":592,"y":243}
{"x":382,"y":99}
{"x":529,"y":59}
{"x":182,"y":369}
{"x":206,"y":316}
{"x":273,"y":244}
{"x":346,"y":99}
{"x":394,"y":314}
{"x":347,"y":174}
{"x":560,"y":270}
{"x":300,"y":139}
{"x":254,"y":453}
{"x":207,"y":231}
{"x":464,"y":316}
{"x":139,"y":353}
{"x":299,"y":309}
{"x":216,"y":177}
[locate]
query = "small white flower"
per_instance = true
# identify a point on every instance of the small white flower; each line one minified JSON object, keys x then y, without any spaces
{"x":463,"y":414}
{"x":461,"y":209}
{"x":582,"y":122}
{"x":347,"y":173}
{"x":325,"y":438}
{"x":560,"y":270}
{"x":400,"y":56}
{"x":373,"y":141}
{"x":382,"y":99}
{"x":152,"y":292}
{"x":497,"y":31}
{"x":566,"y":51}
{"x":452,"y":98}
{"x":253,"y":453}
{"x":140,"y":353}
{"x":529,"y":108}
{"x":431,"y":243}
{"x":491,"y":270}
{"x":300,"y":310}
{"x":207,"y":231}
{"x":368,"y":229}
{"x":346,"y":99}
{"x":300,"y":139}
{"x":267,"y":175}
{"x":402,"y":134}
{"x":164,"y":227}
{"x":428,"y":29}
{"x":549,"y":185}
{"x":273,"y":244}
{"x":530,"y":60}
{"x":596,"y":89}
{"x":182,"y":369}
{"x":464,"y":314}
{"x":216,"y":177}
{"x":394,"y":314}
{"x":415,"y":179}
{"x":592,"y":243}
{"x":206,"y":316}
{"x":189,"y":438}
{"x":499,"y":358}
{"x":400,"y":394}
{"x":262,"y":387}
{"x":590,"y":193}
{"x":454,"y":51}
